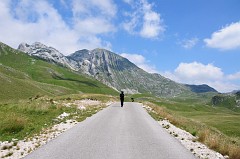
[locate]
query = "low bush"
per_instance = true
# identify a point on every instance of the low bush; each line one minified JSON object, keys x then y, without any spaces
{"x":12,"y":124}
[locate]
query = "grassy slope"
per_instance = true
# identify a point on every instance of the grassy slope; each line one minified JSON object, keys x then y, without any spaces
{"x":198,"y":109}
{"x":220,"y":118}
{"x":22,"y":76}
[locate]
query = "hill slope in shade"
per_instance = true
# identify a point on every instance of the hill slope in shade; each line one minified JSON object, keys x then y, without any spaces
{"x":23,"y":76}
{"x":201,"y":88}
{"x":111,"y":69}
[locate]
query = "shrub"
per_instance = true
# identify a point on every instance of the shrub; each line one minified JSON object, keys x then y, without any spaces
{"x":234,"y":152}
{"x":194,"y":133}
{"x":202,"y":136}
{"x":13,"y":124}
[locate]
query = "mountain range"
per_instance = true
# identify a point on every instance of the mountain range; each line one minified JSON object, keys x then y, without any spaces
{"x":110,"y":68}
{"x":105,"y":66}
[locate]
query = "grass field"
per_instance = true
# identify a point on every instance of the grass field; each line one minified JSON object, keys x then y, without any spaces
{"x":220,"y":118}
{"x":29,"y":117}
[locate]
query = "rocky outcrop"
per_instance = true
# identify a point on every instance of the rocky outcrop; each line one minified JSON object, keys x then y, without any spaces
{"x":229,"y":100}
{"x":218,"y":99}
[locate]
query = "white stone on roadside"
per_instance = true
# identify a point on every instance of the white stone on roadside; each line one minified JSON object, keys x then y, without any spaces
{"x":63,"y":115}
{"x":189,"y":141}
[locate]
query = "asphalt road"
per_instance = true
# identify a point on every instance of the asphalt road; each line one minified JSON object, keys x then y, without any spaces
{"x":115,"y":133}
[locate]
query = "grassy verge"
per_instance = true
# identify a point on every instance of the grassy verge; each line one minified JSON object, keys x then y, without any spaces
{"x":206,"y":134}
{"x":28,"y":117}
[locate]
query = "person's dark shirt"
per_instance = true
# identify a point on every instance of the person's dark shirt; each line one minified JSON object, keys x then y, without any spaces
{"x":121,"y":96}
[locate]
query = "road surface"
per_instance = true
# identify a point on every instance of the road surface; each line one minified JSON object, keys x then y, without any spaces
{"x":115,"y":133}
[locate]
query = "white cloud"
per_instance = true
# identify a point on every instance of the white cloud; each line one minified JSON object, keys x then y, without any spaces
{"x":128,"y":1}
{"x":130,"y":25}
{"x":94,"y":8}
{"x":235,"y":76}
{"x":226,"y":38}
{"x":140,"y":61}
{"x":152,"y":22}
{"x":198,"y":73}
{"x":88,"y":26}
{"x":30,"y":21}
{"x":143,"y":20}
{"x":189,"y":43}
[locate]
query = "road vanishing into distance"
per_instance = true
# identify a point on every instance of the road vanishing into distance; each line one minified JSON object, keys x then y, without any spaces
{"x":116,"y":132}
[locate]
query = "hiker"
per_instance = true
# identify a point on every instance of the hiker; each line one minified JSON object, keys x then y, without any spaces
{"x":122,"y":98}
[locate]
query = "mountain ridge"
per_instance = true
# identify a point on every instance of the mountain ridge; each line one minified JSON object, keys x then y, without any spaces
{"x":203,"y":88}
{"x":110,"y":68}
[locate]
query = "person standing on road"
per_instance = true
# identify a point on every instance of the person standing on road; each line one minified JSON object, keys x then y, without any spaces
{"x":122,"y":98}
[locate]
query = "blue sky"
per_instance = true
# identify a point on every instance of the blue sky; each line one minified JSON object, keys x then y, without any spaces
{"x":192,"y":42}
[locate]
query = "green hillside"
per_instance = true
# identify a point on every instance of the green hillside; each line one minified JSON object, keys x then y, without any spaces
{"x":231,"y":101}
{"x":22,"y":76}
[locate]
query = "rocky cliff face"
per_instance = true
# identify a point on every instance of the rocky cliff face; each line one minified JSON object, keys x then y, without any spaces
{"x":109,"y":68}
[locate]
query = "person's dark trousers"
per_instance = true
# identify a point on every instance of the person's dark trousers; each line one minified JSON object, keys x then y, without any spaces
{"x":121,"y":103}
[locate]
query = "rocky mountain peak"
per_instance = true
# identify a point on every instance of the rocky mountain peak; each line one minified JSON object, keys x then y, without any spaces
{"x":24,"y":47}
{"x":47,"y":53}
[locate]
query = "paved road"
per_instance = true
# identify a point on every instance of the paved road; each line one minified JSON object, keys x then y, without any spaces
{"x":115,"y":133}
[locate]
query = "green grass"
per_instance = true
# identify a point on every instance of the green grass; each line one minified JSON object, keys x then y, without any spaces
{"x":220,"y":118}
{"x":19,"y":120}
{"x":28,"y":117}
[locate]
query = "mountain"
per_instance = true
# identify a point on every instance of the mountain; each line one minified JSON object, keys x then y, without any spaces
{"x":201,"y":88}
{"x":236,"y":92}
{"x":23,"y":76}
{"x":110,"y":68}
{"x":120,"y":73}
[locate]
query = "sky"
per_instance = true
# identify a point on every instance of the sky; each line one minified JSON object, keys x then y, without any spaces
{"x":188,"y":41}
